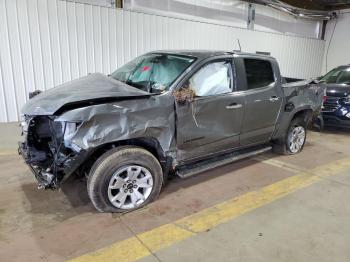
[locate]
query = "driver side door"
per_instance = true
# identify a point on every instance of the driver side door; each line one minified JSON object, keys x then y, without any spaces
{"x":211,"y":121}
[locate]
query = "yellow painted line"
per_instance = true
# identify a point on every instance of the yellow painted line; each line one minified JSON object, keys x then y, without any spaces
{"x":274,"y":162}
{"x":146,"y":243}
{"x":138,"y":247}
{"x":127,"y":250}
{"x":230,"y":209}
{"x":164,"y":236}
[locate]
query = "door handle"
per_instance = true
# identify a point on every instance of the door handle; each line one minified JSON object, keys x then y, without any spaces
{"x":234,"y":106}
{"x":274,"y":98}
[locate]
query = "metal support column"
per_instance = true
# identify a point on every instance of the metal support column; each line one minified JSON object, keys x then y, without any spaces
{"x":251,"y":17}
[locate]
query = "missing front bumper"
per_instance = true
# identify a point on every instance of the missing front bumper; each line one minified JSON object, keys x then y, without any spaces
{"x":51,"y":180}
{"x":45,"y":179}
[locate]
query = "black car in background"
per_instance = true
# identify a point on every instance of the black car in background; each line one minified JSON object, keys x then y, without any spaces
{"x":336,"y":106}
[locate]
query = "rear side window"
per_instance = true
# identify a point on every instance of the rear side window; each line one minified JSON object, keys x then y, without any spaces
{"x":259,"y":73}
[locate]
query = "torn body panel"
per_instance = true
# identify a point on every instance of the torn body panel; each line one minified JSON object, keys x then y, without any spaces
{"x":151,"y":117}
{"x":302,"y":96}
{"x":45,"y":153}
{"x":57,"y":145}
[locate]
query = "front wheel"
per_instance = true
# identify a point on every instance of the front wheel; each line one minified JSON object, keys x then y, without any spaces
{"x":294,"y":141}
{"x":124,"y":179}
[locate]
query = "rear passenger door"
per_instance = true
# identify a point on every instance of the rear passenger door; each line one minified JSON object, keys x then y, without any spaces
{"x":263,"y":100}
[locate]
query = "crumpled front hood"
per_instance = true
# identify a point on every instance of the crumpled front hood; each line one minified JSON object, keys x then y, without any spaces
{"x":91,"y":88}
{"x":338,"y":90}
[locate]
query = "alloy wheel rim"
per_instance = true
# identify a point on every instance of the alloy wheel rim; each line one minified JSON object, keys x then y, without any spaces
{"x":296,"y":139}
{"x":130,"y":186}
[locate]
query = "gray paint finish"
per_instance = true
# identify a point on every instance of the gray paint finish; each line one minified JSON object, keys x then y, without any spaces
{"x":182,"y":130}
{"x":88,"y":88}
{"x":203,"y":126}
{"x":152,"y":117}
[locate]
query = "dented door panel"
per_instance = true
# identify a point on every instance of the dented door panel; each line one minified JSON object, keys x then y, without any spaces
{"x":208,"y":125}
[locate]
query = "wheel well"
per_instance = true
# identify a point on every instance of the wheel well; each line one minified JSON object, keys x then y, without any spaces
{"x":305,"y":114}
{"x":150,"y":144}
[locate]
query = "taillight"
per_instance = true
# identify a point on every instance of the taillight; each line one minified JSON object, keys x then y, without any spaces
{"x":324,"y":98}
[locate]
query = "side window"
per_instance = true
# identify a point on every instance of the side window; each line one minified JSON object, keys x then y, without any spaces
{"x":259,"y":73}
{"x":344,"y":77}
{"x":212,"y":79}
{"x":333,"y":76}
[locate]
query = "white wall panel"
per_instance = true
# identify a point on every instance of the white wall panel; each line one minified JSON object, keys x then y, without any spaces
{"x":97,"y":35}
{"x":44,"y":43}
{"x":3,"y":107}
{"x":89,"y":38}
{"x":72,"y":39}
{"x":64,"y":41}
{"x":15,"y":54}
{"x":55,"y":43}
{"x":7,"y":66}
{"x":126,"y":35}
{"x":81,"y":39}
{"x":228,"y":12}
{"x":271,"y":20}
{"x":105,"y":36}
{"x":338,"y":38}
{"x":112,"y":31}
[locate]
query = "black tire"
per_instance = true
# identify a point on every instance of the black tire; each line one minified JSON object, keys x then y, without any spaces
{"x":104,"y":168}
{"x":282,"y":146}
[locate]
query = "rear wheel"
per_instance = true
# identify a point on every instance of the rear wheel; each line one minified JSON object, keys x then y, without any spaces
{"x":124,"y":179}
{"x":294,"y":141}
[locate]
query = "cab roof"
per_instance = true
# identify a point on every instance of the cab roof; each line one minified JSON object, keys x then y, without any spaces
{"x":202,"y":54}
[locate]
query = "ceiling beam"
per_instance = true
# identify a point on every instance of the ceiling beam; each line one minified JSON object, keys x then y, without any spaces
{"x":305,"y":4}
{"x":318,"y":5}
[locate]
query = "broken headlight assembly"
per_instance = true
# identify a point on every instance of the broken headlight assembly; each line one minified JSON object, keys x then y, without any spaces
{"x":24,"y":126}
{"x":68,"y":131}
{"x":24,"y":123}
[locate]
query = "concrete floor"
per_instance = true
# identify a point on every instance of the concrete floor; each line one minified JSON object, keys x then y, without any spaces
{"x":308,"y":225}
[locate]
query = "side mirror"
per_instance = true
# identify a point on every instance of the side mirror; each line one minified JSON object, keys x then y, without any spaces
{"x":32,"y":94}
{"x":158,"y":88}
{"x":184,"y":95}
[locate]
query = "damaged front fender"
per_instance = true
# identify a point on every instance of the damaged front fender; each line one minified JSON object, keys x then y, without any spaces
{"x":152,"y":117}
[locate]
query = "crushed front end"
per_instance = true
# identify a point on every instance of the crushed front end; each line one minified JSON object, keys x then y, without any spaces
{"x":48,"y":151}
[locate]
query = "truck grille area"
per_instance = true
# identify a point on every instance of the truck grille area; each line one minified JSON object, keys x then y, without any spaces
{"x":331,"y":104}
{"x":44,"y":150}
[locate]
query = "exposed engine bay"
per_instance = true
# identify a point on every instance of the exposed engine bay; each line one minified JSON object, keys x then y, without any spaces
{"x":48,"y":150}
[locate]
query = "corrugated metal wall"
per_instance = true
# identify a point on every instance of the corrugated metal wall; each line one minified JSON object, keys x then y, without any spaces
{"x":46,"y":42}
{"x":229,"y":12}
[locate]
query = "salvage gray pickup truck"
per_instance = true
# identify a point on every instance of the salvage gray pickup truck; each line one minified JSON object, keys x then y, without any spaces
{"x":164,"y":113}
